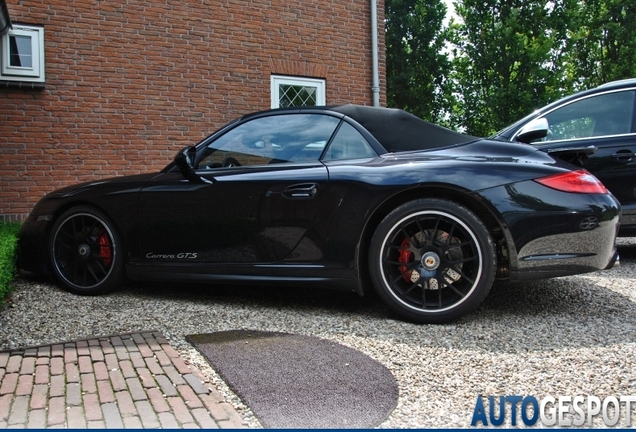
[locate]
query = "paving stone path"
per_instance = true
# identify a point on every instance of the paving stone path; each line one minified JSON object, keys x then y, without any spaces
{"x":134,"y":380}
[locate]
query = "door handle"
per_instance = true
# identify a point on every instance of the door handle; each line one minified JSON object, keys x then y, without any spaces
{"x":300,"y":191}
{"x":625,"y":155}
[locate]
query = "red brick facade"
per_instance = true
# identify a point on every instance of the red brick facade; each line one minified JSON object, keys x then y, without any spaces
{"x":128,"y":83}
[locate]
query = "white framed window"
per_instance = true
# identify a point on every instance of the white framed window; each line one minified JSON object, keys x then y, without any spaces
{"x":296,"y":91}
{"x":22,"y":50}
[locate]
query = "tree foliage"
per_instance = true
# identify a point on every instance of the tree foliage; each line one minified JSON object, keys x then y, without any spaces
{"x":505,"y":60}
{"x":501,"y":59}
{"x":603,"y":42}
{"x":417,"y":69}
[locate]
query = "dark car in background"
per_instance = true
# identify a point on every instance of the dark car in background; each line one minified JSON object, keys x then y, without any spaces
{"x":602,"y":120}
{"x":347,"y":197}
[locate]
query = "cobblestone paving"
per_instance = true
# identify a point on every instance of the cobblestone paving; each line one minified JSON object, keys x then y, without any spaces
{"x":134,"y":380}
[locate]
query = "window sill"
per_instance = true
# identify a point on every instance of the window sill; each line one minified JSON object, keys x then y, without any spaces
{"x":22,"y":84}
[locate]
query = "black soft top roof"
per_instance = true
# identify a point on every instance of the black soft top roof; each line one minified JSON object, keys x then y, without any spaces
{"x":398,"y":130}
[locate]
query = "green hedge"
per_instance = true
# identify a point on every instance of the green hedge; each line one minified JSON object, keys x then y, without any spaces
{"x":8,"y":243}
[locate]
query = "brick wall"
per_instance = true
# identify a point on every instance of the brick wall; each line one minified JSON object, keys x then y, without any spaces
{"x":128,"y":83}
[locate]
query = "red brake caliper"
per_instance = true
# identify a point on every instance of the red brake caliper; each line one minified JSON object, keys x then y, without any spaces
{"x":406,"y":256}
{"x":105,"y":249}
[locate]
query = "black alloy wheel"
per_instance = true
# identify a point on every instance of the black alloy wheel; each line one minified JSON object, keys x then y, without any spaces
{"x":85,"y":252}
{"x":432,"y":261}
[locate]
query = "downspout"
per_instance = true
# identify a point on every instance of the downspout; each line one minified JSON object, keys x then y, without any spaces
{"x":5,"y":20}
{"x":375,"y":89}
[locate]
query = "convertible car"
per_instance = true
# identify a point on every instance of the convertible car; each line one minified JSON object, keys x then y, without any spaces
{"x":346,"y":197}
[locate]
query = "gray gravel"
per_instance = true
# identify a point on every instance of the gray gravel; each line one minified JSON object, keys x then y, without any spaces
{"x":565,"y":336}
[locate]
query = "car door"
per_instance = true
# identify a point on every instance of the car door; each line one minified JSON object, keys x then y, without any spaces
{"x":605,"y":121}
{"x":254,"y":193}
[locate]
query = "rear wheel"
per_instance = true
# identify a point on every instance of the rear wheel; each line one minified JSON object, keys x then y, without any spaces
{"x":86,"y":254}
{"x":432,"y":261}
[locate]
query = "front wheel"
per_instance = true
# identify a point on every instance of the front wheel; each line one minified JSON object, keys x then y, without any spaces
{"x":85,"y":251}
{"x":432,"y":261}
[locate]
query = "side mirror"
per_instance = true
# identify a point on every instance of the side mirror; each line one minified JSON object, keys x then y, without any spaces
{"x":536,"y":129}
{"x":185,"y":161}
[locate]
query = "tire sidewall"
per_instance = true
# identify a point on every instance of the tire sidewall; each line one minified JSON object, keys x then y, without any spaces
{"x":477,"y":229}
{"x":114,"y":277}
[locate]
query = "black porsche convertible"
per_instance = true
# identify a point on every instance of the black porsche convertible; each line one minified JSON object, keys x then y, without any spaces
{"x":347,"y":197}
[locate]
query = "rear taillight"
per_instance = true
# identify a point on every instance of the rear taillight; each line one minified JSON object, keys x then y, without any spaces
{"x":574,"y":181}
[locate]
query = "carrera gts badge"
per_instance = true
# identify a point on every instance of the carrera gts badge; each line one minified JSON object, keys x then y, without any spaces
{"x":182,"y":255}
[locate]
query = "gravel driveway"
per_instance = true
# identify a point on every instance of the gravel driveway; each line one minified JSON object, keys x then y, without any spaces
{"x":565,"y":336}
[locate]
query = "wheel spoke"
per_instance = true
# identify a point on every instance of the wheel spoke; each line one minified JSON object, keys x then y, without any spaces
{"x":400,"y":276}
{"x":92,"y":272}
{"x":457,"y":291}
{"x":411,"y":288}
{"x":67,"y":247}
{"x":464,"y":276}
{"x":453,"y":263}
{"x":392,"y":246}
{"x":75,"y":269}
{"x":84,"y":276}
{"x":450,"y":233}
{"x":70,"y":235}
{"x":399,"y":263}
{"x":95,"y":224}
{"x":460,"y":245}
{"x":80,"y":230}
{"x":98,"y":263}
{"x":419,"y":227}
{"x":406,"y":235}
{"x":434,"y":233}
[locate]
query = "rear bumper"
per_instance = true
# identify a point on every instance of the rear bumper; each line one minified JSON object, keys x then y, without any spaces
{"x":569,"y":253}
{"x":558,"y":234}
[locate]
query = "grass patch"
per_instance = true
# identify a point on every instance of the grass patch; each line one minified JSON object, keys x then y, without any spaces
{"x":8,"y":245}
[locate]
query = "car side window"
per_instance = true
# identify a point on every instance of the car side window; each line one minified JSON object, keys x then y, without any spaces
{"x":602,"y":115}
{"x":283,"y":138}
{"x":349,"y":144}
